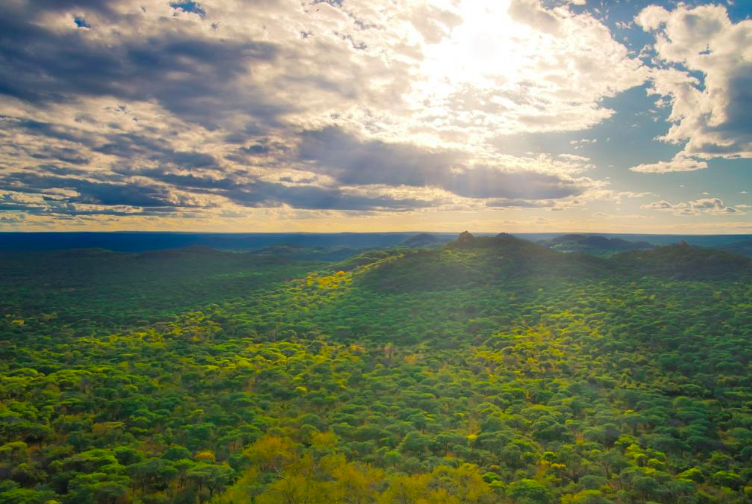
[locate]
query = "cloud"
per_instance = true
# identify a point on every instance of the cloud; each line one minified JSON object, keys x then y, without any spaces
{"x":349,"y":160}
{"x":704,"y":72}
{"x":63,"y":154}
{"x":264,"y":194}
{"x":518,"y":203}
{"x":95,"y":192}
{"x":678,"y":164}
{"x":190,"y":74}
{"x":532,"y":13}
{"x":12,"y":219}
{"x":583,"y":141}
{"x":515,"y":67}
{"x":162,"y":108}
{"x":574,"y":158}
{"x":713,"y":206}
{"x":158,"y":194}
{"x":652,"y":17}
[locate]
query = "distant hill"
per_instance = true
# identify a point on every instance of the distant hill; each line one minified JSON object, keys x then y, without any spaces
{"x":478,"y":261}
{"x":594,"y":245}
{"x":684,"y":261}
{"x":145,"y":241}
{"x":423,"y":240}
{"x":192,"y":251}
{"x":124,"y":287}
{"x":472,"y":260}
{"x":306,"y":253}
{"x":743,"y":247}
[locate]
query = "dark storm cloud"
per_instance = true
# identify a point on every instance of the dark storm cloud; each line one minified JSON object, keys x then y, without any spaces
{"x":351,"y":161}
{"x":192,"y":77}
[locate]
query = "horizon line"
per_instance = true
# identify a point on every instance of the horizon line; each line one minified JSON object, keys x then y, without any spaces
{"x":479,"y":233}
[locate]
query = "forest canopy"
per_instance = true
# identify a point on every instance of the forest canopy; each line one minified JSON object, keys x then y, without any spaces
{"x":485,"y":370}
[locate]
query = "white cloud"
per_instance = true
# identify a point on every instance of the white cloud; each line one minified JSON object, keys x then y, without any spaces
{"x":514,"y":67}
{"x":678,"y":164}
{"x":579,"y":144}
{"x":708,"y":114}
{"x":652,"y":17}
{"x":574,"y":158}
{"x":713,"y":206}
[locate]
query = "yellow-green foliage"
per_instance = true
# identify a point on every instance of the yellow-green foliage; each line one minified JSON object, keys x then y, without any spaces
{"x":334,"y":281}
{"x":425,"y":377}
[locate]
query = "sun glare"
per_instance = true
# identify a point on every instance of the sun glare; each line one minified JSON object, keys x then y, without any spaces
{"x":480,"y":52}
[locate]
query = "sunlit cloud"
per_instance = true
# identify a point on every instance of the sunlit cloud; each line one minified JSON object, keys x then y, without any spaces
{"x":713,"y":206}
{"x":678,"y":164}
{"x":216,"y":110}
{"x":705,"y":77}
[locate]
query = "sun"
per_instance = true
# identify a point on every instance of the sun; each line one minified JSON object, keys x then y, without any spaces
{"x":482,"y":52}
{"x":476,"y":81}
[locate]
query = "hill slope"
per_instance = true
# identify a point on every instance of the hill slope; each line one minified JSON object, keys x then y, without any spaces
{"x":685,"y":261}
{"x":423,"y":240}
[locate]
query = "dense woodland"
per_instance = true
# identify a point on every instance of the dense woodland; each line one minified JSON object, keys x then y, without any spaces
{"x":487,"y":370}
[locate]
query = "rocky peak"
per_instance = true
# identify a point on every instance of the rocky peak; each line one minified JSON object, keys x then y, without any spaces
{"x":465,"y":237}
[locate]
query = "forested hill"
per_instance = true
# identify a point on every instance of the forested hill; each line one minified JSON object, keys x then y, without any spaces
{"x":743,"y":247}
{"x":487,"y":370}
{"x":594,"y":245}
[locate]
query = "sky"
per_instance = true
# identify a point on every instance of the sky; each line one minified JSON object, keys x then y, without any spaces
{"x":624,"y":116}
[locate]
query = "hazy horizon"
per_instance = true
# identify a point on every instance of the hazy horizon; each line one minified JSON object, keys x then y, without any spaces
{"x":375,"y":232}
